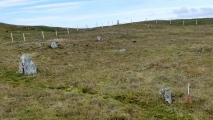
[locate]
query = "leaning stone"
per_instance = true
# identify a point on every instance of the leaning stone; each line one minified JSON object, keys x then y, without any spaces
{"x":54,"y":45}
{"x":26,"y":65}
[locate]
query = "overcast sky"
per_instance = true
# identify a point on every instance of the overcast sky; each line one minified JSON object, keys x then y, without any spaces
{"x":70,"y":13}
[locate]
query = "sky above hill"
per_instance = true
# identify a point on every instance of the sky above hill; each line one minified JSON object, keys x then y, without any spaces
{"x":73,"y":13}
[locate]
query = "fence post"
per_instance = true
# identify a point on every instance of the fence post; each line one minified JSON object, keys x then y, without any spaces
{"x":183,"y":23}
{"x":170,"y":22}
{"x":196,"y":22}
{"x":23,"y":36}
{"x":77,"y":27}
{"x":68,"y":31}
{"x":156,"y":21}
{"x":56,"y":33}
{"x":42,"y":35}
{"x":12,"y":36}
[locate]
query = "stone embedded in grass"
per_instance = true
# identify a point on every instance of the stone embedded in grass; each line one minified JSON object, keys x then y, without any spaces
{"x":26,"y":65}
{"x":166,"y":94}
{"x":54,"y":45}
{"x":99,"y":38}
{"x":122,"y":50}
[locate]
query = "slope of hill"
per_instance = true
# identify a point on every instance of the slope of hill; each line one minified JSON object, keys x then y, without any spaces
{"x":86,"y":79}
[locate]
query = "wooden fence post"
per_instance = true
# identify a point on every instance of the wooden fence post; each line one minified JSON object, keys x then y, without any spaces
{"x":42,"y":35}
{"x":11,"y":36}
{"x":56,"y":33}
{"x":68,"y":31}
{"x":23,"y":36}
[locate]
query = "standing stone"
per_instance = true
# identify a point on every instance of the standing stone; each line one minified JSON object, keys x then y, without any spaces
{"x":26,"y":65}
{"x":168,"y":96}
{"x":54,"y":45}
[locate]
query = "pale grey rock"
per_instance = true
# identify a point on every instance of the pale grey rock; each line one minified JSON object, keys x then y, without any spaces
{"x":122,"y":50}
{"x":26,"y":65}
{"x":166,"y":94}
{"x":99,"y":38}
{"x":54,"y":45}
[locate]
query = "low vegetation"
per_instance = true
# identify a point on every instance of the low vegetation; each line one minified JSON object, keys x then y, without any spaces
{"x":86,"y":79}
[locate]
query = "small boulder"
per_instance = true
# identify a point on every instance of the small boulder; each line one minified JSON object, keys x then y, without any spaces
{"x":54,"y":45}
{"x":26,"y":65}
{"x":122,"y":50}
{"x":99,"y":38}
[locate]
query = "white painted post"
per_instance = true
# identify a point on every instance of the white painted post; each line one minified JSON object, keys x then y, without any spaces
{"x":56,"y":33}
{"x":170,"y":22}
{"x":12,"y":36}
{"x":188,"y":96}
{"x":183,"y":23}
{"x":42,"y":35}
{"x":131,"y":20}
{"x":68,"y":31}
{"x":23,"y":36}
{"x":188,"y":87}
{"x":196,"y":22}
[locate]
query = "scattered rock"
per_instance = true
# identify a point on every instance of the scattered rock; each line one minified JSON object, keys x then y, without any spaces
{"x":54,"y":45}
{"x":26,"y":65}
{"x":99,"y":38}
{"x":122,"y":50}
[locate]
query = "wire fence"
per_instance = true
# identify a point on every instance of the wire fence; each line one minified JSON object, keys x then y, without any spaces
{"x":47,"y":33}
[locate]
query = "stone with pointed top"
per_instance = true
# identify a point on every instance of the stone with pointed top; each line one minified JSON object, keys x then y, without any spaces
{"x":26,"y":65}
{"x":54,"y":45}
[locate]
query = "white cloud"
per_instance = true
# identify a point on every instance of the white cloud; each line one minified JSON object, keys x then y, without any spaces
{"x":193,"y":12}
{"x":12,"y":3}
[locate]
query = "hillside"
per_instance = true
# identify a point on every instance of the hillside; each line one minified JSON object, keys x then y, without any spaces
{"x":86,"y":79}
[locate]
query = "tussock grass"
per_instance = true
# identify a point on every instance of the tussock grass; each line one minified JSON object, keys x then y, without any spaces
{"x":85,"y":79}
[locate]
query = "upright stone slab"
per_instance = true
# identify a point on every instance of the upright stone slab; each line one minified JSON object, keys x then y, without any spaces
{"x":54,"y":45}
{"x":168,"y":96}
{"x":26,"y":65}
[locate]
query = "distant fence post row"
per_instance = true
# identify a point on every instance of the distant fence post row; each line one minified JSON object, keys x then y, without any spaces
{"x":68,"y":31}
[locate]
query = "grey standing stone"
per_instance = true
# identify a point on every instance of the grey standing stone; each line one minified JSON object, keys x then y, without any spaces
{"x":166,"y":94}
{"x":26,"y":65}
{"x":54,"y":45}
